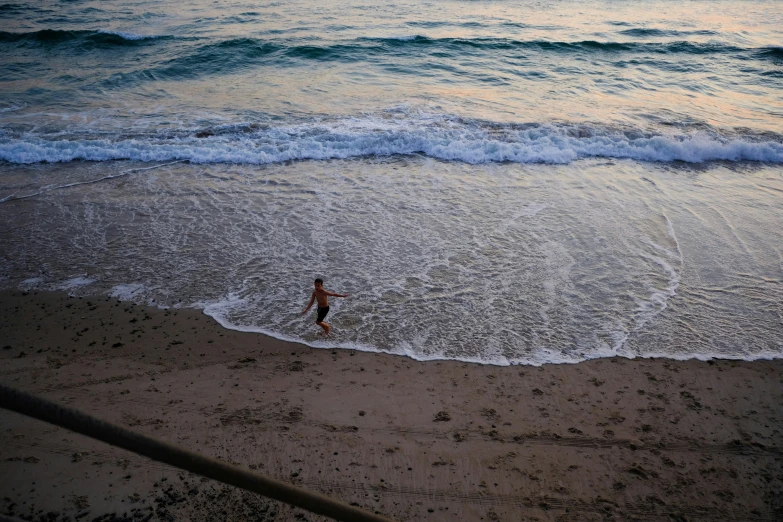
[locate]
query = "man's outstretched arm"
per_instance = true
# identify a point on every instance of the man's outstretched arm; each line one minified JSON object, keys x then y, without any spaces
{"x":332,"y":294}
{"x":312,"y":300}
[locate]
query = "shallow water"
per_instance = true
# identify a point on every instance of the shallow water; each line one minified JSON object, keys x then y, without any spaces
{"x":501,"y":182}
{"x":499,"y":263}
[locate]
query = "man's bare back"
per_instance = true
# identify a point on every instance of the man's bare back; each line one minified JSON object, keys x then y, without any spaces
{"x":322,"y":297}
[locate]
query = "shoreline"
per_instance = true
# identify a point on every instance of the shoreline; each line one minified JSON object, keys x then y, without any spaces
{"x":304,"y":344}
{"x":435,"y":440}
{"x":372,"y":350}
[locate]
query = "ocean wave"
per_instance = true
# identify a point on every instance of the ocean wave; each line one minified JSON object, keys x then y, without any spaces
{"x":96,"y":39}
{"x":442,"y":137}
{"x":218,"y":58}
{"x":772,"y":52}
{"x":581,"y":46}
{"x":650,"y":32}
{"x":228,"y":56}
{"x":372,"y":46}
{"x":127,"y":36}
{"x":405,"y":38}
{"x":17,"y":8}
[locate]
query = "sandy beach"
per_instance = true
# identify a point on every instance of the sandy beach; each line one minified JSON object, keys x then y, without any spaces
{"x":607,"y":439}
{"x":559,"y":225}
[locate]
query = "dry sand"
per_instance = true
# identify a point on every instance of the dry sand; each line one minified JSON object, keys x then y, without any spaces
{"x":606,"y":439}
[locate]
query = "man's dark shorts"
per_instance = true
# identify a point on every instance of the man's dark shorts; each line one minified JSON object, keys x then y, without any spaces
{"x":322,"y":314}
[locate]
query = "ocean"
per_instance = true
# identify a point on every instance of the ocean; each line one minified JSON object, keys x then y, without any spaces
{"x":499,"y":182}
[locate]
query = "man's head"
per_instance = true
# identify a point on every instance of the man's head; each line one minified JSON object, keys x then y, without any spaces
{"x":319,"y":283}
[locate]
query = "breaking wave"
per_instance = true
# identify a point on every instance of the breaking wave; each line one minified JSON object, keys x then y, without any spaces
{"x":447,"y":138}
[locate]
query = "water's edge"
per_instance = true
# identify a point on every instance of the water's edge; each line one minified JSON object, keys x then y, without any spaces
{"x":324,"y":345}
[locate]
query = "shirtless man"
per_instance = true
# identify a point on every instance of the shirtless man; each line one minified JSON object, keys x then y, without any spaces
{"x":322,"y":296}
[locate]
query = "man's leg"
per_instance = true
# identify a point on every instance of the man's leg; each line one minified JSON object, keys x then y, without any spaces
{"x":320,"y":319}
{"x":325,"y":326}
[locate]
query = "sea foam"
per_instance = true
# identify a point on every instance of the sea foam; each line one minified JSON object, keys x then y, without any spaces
{"x":445,"y":138}
{"x":126,"y":35}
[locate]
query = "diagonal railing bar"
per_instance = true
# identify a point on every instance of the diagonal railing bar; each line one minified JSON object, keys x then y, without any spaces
{"x":5,"y":518}
{"x":74,"y":420}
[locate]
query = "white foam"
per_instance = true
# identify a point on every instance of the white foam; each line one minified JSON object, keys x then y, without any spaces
{"x":218,"y":311}
{"x":127,"y":36}
{"x":406,"y":38}
{"x":439,"y":137}
{"x":670,"y":231}
{"x":33,"y":281}
{"x":126,"y":292}
{"x":539,"y":357}
{"x":50,"y":188}
{"x":75,"y":283}
{"x":11,"y":108}
{"x":658,"y":300}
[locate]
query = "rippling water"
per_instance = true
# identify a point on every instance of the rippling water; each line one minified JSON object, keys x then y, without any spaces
{"x":492,"y":181}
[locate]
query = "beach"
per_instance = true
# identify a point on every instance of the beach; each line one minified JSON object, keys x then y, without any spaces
{"x":604,"y":439}
{"x":525,"y":184}
{"x":559,"y":224}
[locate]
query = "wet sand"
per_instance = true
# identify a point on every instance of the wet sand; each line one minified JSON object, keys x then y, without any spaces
{"x":605,"y":439}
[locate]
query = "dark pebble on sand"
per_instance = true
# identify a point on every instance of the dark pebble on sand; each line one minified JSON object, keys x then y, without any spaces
{"x":442,"y":416}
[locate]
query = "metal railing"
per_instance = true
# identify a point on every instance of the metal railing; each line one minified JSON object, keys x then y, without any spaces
{"x":79,"y":422}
